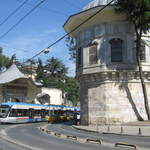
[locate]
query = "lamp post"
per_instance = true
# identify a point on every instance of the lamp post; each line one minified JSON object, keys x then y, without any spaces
{"x":49,"y":106}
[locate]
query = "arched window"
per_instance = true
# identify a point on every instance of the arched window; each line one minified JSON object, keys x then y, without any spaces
{"x":142,"y":51}
{"x":116,"y":50}
{"x":93,"y":53}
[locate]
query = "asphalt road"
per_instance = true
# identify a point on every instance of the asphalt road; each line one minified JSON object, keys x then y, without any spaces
{"x":107,"y":138}
{"x":5,"y":145}
{"x":29,"y":135}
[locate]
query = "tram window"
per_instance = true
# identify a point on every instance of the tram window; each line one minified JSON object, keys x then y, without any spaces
{"x":43,"y":113}
{"x":13,"y":113}
{"x":55,"y":111}
{"x":25,"y":112}
{"x":3,"y":112}
{"x":19,"y":112}
{"x":37,"y":112}
{"x":47,"y":112}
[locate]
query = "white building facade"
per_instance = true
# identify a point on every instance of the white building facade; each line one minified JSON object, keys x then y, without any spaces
{"x":51,"y":96}
{"x":110,"y":88}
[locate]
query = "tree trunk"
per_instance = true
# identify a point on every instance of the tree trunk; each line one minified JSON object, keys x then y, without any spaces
{"x":138,"y":41}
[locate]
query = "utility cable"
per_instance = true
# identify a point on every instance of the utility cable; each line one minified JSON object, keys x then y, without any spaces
{"x":11,"y":14}
{"x":46,"y":9}
{"x":36,"y":6}
{"x":78,"y":26}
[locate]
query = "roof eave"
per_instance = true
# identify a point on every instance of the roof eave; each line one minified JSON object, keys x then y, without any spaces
{"x":81,"y":13}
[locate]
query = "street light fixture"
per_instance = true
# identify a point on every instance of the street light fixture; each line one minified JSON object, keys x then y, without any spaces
{"x":46,"y":51}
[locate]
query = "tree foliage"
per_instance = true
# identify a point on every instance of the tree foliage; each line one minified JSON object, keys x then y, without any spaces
{"x":53,"y":74}
{"x":56,"y":68}
{"x":4,"y":61}
{"x":72,"y":90}
{"x":40,"y":70}
{"x":71,"y":44}
{"x":138,"y":13}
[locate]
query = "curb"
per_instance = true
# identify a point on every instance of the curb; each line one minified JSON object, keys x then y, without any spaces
{"x":84,"y":129}
{"x":126,"y":145}
{"x":121,"y":133}
{"x":94,"y":141}
{"x":71,"y":137}
{"x":91,"y":141}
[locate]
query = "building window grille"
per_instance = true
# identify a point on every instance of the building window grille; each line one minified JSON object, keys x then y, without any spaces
{"x":93,"y":54}
{"x":116,"y":50}
{"x":142,"y":51}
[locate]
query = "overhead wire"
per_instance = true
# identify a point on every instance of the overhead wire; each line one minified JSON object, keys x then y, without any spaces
{"x":46,"y":9}
{"x":13,"y":12}
{"x":18,"y":22}
{"x":78,"y":26}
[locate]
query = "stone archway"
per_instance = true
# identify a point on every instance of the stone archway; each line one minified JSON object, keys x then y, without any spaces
{"x":43,"y":98}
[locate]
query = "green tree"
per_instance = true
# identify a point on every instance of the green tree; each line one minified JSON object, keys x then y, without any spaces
{"x":4,"y":61}
{"x":40,"y":71}
{"x":56,"y":68}
{"x":138,"y":13}
{"x":70,"y":43}
{"x":72,"y":90}
{"x":53,"y":73}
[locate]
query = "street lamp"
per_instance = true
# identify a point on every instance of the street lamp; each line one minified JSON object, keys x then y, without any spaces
{"x":46,"y":51}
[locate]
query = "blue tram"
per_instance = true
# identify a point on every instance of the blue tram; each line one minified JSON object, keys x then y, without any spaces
{"x":16,"y":112}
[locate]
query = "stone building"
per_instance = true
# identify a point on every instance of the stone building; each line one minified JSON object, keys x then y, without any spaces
{"x":18,"y":87}
{"x":110,"y":88}
{"x":15,"y":86}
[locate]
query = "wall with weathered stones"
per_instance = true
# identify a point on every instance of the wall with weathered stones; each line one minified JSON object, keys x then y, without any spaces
{"x":112,"y":102}
{"x":1,"y":94}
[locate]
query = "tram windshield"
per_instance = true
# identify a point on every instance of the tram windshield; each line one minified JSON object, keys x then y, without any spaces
{"x":4,"y":109}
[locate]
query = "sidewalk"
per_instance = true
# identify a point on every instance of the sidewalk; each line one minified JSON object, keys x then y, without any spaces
{"x":134,"y":128}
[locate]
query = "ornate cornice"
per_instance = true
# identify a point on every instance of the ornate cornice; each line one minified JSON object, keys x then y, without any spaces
{"x":112,"y":76}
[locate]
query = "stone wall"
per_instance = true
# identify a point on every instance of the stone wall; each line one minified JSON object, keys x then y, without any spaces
{"x":111,"y":102}
{"x":1,"y":94}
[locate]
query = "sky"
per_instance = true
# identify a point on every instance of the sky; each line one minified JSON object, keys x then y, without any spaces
{"x":38,"y":30}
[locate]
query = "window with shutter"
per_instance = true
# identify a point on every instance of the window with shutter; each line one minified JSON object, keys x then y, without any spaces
{"x":142,"y":51}
{"x":93,"y":54}
{"x":79,"y":57}
{"x":116,"y":50}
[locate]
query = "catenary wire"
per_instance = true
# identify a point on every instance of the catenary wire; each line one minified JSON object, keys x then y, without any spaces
{"x":11,"y":14}
{"x":10,"y":29}
{"x":46,"y":9}
{"x":61,"y":38}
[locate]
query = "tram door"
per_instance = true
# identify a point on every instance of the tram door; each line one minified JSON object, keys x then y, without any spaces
{"x":43,"y":113}
{"x":31,"y":113}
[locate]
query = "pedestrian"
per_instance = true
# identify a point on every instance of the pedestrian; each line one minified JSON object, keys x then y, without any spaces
{"x":78,"y":118}
{"x":75,"y":118}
